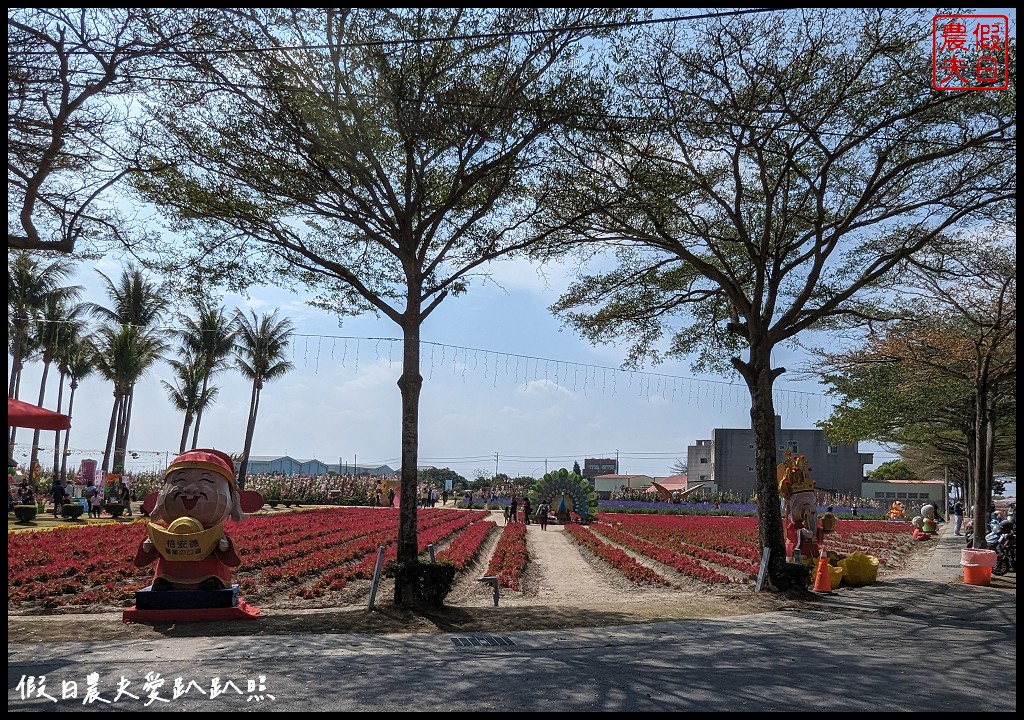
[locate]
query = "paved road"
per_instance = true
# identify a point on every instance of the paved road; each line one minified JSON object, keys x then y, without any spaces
{"x":914,"y":644}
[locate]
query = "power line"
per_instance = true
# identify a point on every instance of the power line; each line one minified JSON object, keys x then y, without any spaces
{"x":931,"y":141}
{"x":507,"y":34}
{"x":555,"y":366}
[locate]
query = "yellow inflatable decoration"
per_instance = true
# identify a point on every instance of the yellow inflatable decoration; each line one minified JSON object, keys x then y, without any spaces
{"x":859,"y":569}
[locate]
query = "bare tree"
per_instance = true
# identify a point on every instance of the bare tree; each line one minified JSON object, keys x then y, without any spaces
{"x":761,"y":177}
{"x":69,"y":84}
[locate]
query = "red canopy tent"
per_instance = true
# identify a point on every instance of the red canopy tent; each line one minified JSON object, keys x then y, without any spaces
{"x":24,"y":415}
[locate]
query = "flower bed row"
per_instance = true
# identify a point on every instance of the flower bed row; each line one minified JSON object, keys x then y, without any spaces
{"x":637,"y":573}
{"x":509,"y":559}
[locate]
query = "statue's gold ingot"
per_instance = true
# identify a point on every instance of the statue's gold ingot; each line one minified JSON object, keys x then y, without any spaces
{"x":181,"y":541}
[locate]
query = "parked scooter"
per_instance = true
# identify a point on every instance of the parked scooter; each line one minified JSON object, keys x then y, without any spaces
{"x":1005,"y":546}
{"x":994,"y":524}
{"x":1002,"y":539}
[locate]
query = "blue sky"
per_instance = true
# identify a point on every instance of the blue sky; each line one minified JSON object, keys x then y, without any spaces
{"x":506,"y":389}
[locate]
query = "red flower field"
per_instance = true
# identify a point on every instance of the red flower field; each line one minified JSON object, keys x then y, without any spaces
{"x":314,"y":554}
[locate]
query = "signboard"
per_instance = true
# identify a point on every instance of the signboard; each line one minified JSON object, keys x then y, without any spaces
{"x":763,"y":571}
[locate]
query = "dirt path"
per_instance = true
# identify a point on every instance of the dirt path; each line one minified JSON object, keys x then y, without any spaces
{"x":562,"y":572}
{"x":557,"y":572}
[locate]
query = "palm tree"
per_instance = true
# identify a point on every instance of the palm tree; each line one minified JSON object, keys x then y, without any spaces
{"x":57,"y":323}
{"x":210,"y":338}
{"x":130,"y":343}
{"x":29,"y":284}
{"x":124,"y":354}
{"x":188,"y":392}
{"x":77,"y":363}
{"x":259,"y":356}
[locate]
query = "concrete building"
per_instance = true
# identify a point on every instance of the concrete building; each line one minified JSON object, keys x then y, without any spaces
{"x":604,"y":484}
{"x":592,"y":467}
{"x":727,"y":459}
{"x":912,"y":493}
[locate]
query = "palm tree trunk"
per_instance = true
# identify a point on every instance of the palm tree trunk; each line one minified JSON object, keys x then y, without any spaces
{"x":199,"y":415}
{"x":14,"y":391}
{"x":56,"y":435}
{"x":35,"y":435}
{"x":67,"y":434}
{"x":127,"y":426}
{"x":250,"y":430}
{"x":111,"y":429}
{"x":184,"y":432}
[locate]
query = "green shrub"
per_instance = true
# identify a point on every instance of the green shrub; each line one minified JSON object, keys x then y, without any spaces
{"x":436,"y":579}
{"x":25,"y":513}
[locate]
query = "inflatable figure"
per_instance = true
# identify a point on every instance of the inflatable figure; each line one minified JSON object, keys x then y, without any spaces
{"x":919,"y":533}
{"x":185,"y":536}
{"x":928,"y":524}
{"x":896,"y":512}
{"x":804,"y":534}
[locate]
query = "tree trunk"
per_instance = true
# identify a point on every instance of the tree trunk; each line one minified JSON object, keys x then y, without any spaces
{"x":13,"y":392}
{"x":124,"y":428}
{"x":67,"y":435}
{"x":35,"y":435}
{"x":111,"y":429}
{"x":56,"y":435}
{"x":199,"y":413}
{"x":122,"y":415}
{"x":184,"y":431}
{"x":984,"y":461}
{"x":760,"y":378}
{"x":407,"y":592}
{"x":250,"y":429}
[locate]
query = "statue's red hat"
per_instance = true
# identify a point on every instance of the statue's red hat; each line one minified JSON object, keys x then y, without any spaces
{"x":206,"y":459}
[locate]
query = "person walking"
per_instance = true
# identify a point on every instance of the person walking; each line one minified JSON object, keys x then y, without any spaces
{"x":513,"y":510}
{"x":542,"y":515}
{"x":57,"y":491}
{"x":444,"y":496}
{"x":126,"y":497}
{"x":526,"y":510}
{"x":391,"y":497}
{"x":958,"y":517}
{"x":95,"y":503}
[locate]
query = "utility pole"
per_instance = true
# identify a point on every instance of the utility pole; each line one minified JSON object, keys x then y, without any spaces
{"x":545,"y":466}
{"x":495,"y":464}
{"x":616,"y":461}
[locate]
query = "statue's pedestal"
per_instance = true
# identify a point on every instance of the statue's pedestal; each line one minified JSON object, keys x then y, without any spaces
{"x":188,"y":606}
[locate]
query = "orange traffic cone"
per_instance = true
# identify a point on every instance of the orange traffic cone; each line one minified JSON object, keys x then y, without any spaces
{"x":822,"y":582}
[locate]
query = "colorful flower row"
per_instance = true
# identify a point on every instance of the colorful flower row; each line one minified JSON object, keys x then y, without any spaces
{"x":683,"y":563}
{"x":635,"y":572}
{"x":509,"y":560}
